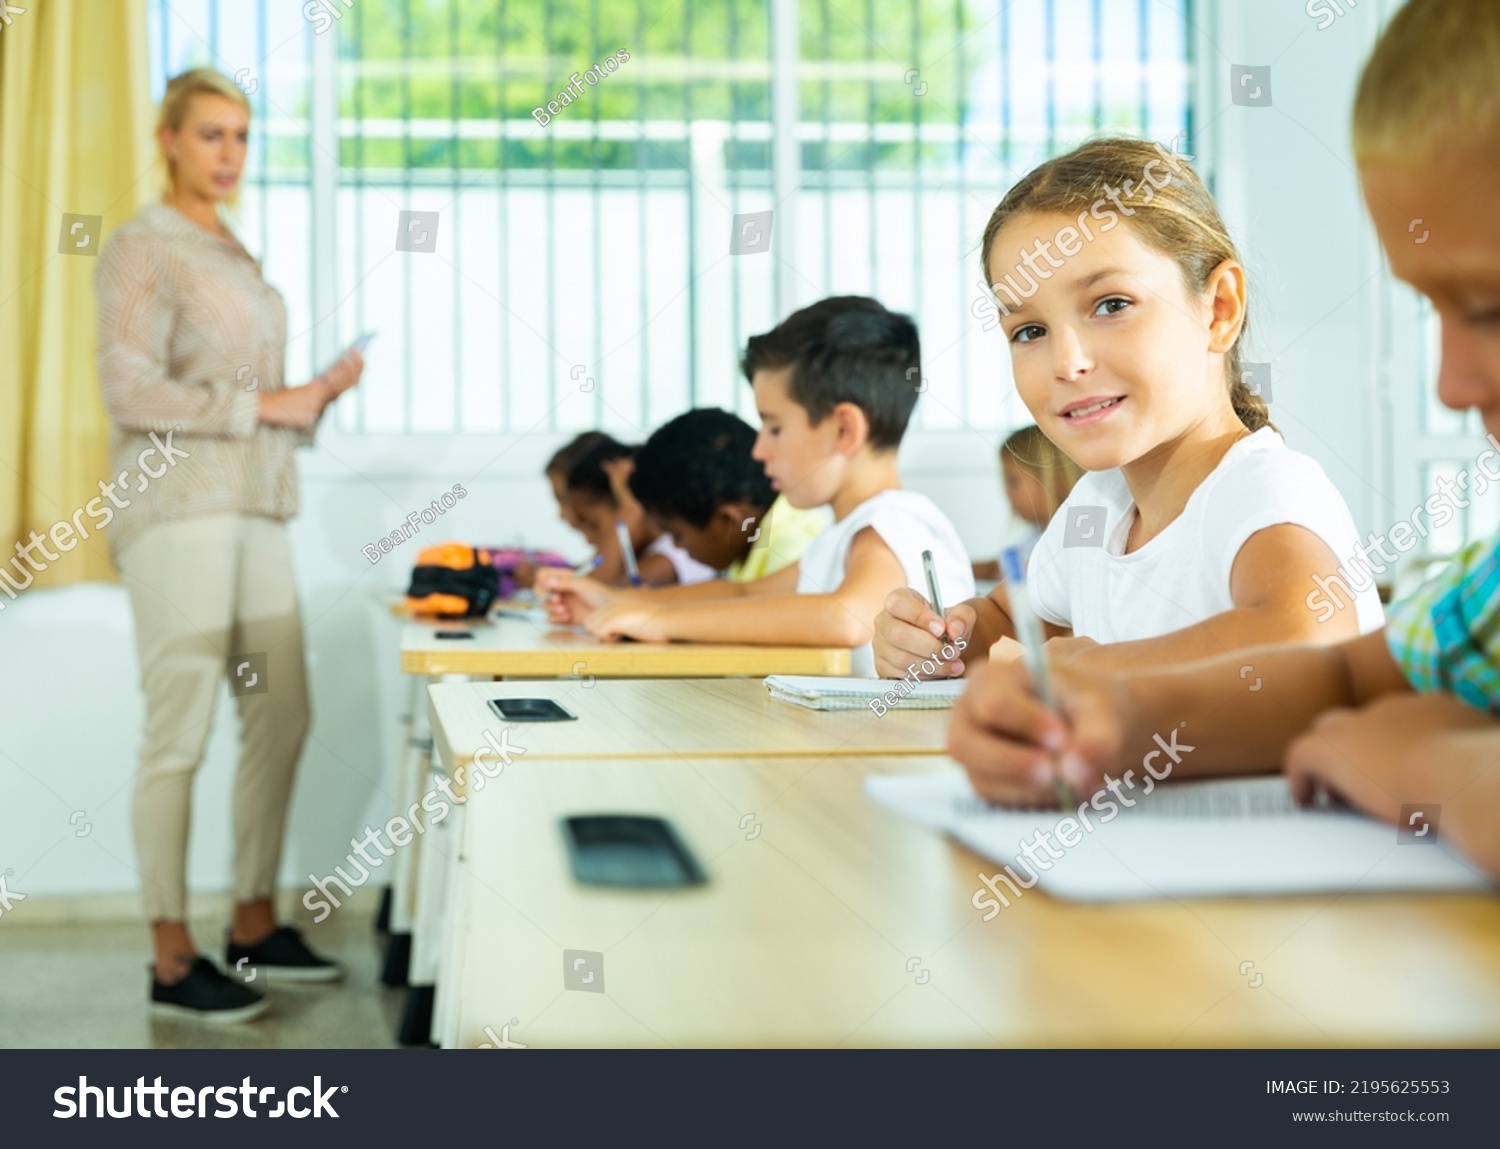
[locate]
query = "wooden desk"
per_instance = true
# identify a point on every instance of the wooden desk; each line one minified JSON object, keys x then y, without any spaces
{"x":828,"y":920}
{"x":518,"y":645}
{"x":689,"y":717}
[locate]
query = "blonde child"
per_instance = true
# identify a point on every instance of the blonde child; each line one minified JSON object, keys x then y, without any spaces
{"x":1400,"y":716}
{"x":1037,"y":478}
{"x":1196,"y":529}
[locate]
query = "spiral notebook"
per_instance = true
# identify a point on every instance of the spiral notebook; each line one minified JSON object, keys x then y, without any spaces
{"x":1222,"y":837}
{"x":817,"y":693}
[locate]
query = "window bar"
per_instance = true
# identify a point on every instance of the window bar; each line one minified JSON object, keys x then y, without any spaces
{"x":597,"y":365}
{"x":828,"y":177}
{"x":502,"y":209}
{"x":1190,"y":72}
{"x":732,"y":170}
{"x":916,"y":169}
{"x":692,"y":225}
{"x":642,"y":298}
{"x":870,"y":144}
{"x":262,"y":117}
{"x":549,"y":190}
{"x":1144,"y":22}
{"x":1098,"y":30}
{"x":1049,"y":25}
{"x":361,"y":395}
{"x":961,"y":157}
{"x":786,"y":145}
{"x":321,"y":163}
{"x":454,"y":96}
{"x":1005,"y":133}
{"x":406,"y":352}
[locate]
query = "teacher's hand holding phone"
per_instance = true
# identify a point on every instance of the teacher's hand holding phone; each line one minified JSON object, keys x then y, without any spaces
{"x":303,"y":406}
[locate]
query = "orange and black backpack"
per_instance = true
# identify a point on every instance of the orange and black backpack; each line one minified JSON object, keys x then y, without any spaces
{"x":453,"y":580}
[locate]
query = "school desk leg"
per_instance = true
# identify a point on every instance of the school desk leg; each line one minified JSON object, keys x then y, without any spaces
{"x":447,"y":1009}
{"x":412,"y":760}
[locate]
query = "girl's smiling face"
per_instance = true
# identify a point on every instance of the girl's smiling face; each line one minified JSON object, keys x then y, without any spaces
{"x":1112,"y":354}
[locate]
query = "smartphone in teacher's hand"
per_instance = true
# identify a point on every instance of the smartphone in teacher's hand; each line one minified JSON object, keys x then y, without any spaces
{"x":358,"y":345}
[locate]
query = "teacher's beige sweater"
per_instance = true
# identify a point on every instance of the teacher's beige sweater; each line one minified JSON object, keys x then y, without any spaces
{"x":190,"y":334}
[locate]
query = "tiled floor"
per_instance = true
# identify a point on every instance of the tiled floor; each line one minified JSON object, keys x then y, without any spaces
{"x":86,"y":986}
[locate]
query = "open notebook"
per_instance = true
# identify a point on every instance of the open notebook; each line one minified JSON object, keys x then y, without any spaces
{"x":857,"y":693}
{"x":1185,"y":839}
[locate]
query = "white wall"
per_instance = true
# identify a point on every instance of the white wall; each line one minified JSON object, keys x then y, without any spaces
{"x":70,"y":711}
{"x":1286,"y":184}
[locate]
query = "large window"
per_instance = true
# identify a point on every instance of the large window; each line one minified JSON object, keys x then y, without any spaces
{"x":581,"y":271}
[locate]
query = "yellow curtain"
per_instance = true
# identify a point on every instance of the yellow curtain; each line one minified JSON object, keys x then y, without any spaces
{"x":76,"y":160}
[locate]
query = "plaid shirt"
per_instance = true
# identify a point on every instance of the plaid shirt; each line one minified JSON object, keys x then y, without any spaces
{"x":1446,"y":634}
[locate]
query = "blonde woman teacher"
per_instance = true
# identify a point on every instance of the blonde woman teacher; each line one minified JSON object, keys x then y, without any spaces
{"x":191,"y":348}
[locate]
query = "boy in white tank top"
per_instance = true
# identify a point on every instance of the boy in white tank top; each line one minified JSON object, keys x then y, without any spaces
{"x":835,"y":385}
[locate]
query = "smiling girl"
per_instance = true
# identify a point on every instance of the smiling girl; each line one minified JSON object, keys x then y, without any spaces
{"x":1197,"y":530}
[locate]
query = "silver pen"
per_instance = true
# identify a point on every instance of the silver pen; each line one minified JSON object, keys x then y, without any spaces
{"x":1029,"y":634}
{"x":932,"y":587}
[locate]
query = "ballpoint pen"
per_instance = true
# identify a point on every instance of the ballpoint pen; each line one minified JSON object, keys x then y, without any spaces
{"x":589,"y":566}
{"x":1029,"y":634}
{"x":932,"y":589}
{"x":627,"y":551}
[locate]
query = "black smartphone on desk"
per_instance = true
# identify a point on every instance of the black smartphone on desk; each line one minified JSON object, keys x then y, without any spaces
{"x":629,"y":850}
{"x":531,"y":710}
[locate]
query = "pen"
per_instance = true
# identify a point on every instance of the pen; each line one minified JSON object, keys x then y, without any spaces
{"x":587,"y":567}
{"x":932,"y":590}
{"x":1029,"y":633}
{"x":627,"y":551}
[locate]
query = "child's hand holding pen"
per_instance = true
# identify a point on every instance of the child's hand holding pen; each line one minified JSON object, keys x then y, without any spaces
{"x":1016,"y":748}
{"x":569,"y":596}
{"x":909,"y":631}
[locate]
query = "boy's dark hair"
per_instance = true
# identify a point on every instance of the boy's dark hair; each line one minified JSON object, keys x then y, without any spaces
{"x":570,"y":452}
{"x":846,"y":349}
{"x":588,"y":477}
{"x":696,"y":463}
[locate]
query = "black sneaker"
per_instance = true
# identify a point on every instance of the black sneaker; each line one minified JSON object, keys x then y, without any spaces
{"x":285,"y":956}
{"x":207,"y":995}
